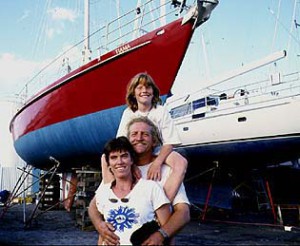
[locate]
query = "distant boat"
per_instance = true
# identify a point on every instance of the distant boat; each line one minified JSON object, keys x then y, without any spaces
{"x":71,"y":119}
{"x":249,"y":126}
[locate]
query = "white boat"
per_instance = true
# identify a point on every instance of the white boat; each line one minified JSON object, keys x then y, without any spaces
{"x":251,"y":125}
{"x":250,"y":116}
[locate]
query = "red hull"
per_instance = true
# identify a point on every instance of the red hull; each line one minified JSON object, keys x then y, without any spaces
{"x":101,"y":85}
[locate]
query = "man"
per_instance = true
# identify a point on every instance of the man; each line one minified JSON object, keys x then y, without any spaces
{"x":144,"y":137}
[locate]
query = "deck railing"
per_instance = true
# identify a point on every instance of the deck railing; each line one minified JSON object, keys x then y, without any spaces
{"x":127,"y":27}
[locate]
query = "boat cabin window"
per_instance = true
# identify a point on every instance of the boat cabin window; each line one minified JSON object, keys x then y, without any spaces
{"x":208,"y":101}
{"x":212,"y":101}
{"x":181,"y":110}
{"x":199,"y":103}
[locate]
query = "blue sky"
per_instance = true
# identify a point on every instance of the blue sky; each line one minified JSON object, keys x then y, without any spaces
{"x":38,"y":30}
{"x":240,"y":31}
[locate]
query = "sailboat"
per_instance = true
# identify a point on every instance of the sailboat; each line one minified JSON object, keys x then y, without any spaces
{"x":251,"y":126}
{"x":71,"y":118}
{"x":249,"y":117}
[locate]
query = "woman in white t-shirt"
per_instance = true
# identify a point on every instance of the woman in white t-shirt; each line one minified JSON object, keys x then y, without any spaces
{"x":127,"y":203}
{"x":143,"y":99}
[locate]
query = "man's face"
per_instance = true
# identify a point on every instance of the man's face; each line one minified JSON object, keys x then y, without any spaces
{"x":140,"y":137}
{"x":120,"y":163}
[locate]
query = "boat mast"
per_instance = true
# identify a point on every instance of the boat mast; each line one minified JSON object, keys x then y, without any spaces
{"x":86,"y":48}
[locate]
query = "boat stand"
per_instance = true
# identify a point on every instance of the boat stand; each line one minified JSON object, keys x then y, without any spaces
{"x":52,"y":172}
{"x":209,"y":191}
{"x":17,"y":192}
{"x":264,"y":191}
{"x":271,"y":200}
{"x":213,"y":170}
{"x":26,"y":170}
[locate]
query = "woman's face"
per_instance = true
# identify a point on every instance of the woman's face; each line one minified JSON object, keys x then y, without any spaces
{"x":143,"y":94}
{"x":120,"y":163}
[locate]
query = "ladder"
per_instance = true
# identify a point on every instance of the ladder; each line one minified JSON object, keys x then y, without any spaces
{"x":264,"y":196}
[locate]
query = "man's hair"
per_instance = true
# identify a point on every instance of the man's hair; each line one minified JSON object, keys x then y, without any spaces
{"x":119,"y":144}
{"x":154,"y":130}
{"x":146,"y":80}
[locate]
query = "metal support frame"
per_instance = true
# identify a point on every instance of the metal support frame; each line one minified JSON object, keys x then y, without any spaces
{"x":271,"y":200}
{"x":53,"y":171}
{"x":281,"y":207}
{"x":209,"y":192}
{"x":26,"y":171}
{"x":15,"y":193}
{"x":213,"y":170}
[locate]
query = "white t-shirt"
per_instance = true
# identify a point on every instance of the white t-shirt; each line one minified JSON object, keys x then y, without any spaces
{"x":159,"y":116}
{"x":145,"y":197}
{"x":181,"y":196}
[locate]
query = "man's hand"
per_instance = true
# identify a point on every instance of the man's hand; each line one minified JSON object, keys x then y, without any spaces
{"x":107,"y":234}
{"x":154,"y":171}
{"x":107,"y":175}
{"x":155,"y":239}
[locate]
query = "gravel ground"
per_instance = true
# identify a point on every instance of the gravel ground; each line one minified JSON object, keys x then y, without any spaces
{"x":57,"y":227}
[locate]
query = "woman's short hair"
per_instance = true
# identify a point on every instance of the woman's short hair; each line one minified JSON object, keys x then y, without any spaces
{"x":146,"y":80}
{"x":119,"y":144}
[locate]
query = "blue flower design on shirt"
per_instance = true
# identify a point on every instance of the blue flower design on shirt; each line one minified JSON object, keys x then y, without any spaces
{"x":122,"y":218}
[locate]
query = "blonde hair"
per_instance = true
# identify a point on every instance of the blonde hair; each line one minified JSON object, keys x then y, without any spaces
{"x":146,"y":80}
{"x":154,"y":130}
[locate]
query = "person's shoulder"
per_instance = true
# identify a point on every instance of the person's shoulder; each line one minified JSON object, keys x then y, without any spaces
{"x":127,"y":110}
{"x":104,"y":186}
{"x":148,"y":183}
{"x":159,"y":107}
{"x":156,"y":113}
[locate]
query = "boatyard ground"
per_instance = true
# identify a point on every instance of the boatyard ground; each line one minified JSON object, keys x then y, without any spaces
{"x":57,"y":227}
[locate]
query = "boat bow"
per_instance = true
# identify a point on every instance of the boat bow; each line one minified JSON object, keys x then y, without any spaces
{"x":72,"y":118}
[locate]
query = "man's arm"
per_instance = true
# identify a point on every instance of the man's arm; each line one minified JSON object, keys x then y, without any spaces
{"x":163,"y":214}
{"x":105,"y":229}
{"x":179,"y":218}
{"x":176,"y":222}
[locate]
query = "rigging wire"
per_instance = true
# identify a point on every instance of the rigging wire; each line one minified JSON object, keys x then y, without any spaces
{"x":292,"y":25}
{"x":284,"y":27}
{"x":276,"y":26}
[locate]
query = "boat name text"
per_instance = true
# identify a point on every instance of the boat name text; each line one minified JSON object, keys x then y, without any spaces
{"x":122,"y":49}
